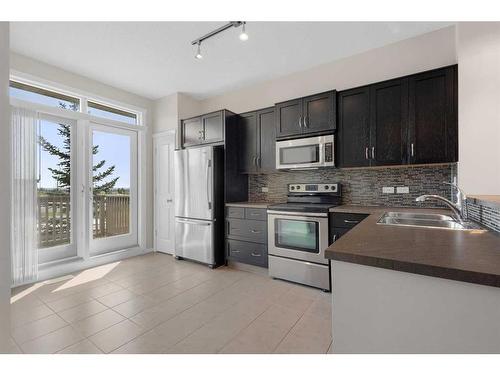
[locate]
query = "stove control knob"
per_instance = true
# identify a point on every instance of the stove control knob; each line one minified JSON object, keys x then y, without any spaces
{"x":292,"y":187}
{"x":327,"y":187}
{"x":298,"y":187}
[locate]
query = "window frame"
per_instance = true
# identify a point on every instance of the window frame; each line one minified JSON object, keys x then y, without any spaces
{"x":82,"y":96}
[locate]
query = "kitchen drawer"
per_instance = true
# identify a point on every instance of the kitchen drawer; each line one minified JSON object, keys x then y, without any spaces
{"x":336,"y":233}
{"x":247,"y":230}
{"x":345,"y":220}
{"x":236,"y":212}
{"x":256,"y":213}
{"x":247,"y":252}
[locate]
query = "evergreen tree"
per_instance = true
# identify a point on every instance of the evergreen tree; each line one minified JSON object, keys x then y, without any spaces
{"x":63,"y":172}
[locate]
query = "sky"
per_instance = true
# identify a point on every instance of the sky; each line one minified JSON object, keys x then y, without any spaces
{"x":114,"y":148}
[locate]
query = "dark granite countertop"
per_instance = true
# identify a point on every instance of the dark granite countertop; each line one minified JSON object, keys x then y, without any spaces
{"x":469,"y":256}
{"x":249,"y":204}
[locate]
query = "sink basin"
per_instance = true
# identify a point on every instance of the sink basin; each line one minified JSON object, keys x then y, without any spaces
{"x":417,"y":216}
{"x":409,"y":219}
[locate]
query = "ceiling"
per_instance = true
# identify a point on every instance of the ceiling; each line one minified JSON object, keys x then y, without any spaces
{"x":155,"y":59}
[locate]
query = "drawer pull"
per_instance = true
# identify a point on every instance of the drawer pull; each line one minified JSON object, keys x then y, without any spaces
{"x":235,"y":251}
{"x":256,"y":255}
{"x":351,"y":221}
{"x":255,"y":214}
{"x":255,"y":231}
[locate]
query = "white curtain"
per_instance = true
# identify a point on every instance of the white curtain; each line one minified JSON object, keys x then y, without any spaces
{"x":24,"y":252}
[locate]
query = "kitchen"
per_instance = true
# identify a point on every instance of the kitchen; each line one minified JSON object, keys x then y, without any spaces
{"x":343,"y":158}
{"x":342,"y":201}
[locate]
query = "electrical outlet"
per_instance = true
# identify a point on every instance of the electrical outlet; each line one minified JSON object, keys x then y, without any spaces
{"x":388,"y":190}
{"x":265,"y":190}
{"x":403,"y":190}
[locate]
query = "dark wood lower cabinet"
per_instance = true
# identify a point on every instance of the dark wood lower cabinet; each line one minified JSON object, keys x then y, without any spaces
{"x":246,"y":235}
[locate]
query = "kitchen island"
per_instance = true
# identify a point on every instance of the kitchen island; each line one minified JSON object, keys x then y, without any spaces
{"x":414,"y":290}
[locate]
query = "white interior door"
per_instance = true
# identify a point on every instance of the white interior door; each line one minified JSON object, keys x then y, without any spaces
{"x":164,"y":147}
{"x":112,"y":189}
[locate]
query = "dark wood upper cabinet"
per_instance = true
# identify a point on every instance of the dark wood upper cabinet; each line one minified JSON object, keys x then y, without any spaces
{"x":192,"y":131}
{"x":310,"y":115}
{"x":433,"y":125}
{"x":409,"y":120}
{"x":213,"y":127}
{"x":389,"y":122}
{"x":257,"y":137}
{"x":289,"y":118}
{"x":319,"y":112}
{"x":266,"y":120}
{"x":248,"y":143}
{"x":208,"y":128}
{"x":354,"y":127}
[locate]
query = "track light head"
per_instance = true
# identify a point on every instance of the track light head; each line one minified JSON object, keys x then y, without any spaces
{"x":198,"y":55}
{"x":243,"y":35}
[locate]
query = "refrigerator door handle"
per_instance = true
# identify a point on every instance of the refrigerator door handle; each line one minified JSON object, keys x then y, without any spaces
{"x":209,"y":200}
{"x":193,"y":222}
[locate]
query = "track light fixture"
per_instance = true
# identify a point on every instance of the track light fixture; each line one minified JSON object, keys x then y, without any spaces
{"x":243,"y":35}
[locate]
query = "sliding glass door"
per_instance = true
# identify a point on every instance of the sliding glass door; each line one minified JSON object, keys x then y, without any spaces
{"x":112,"y":194}
{"x":55,"y":188}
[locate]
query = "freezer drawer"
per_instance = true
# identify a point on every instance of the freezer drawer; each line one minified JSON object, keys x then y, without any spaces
{"x":194,"y":239}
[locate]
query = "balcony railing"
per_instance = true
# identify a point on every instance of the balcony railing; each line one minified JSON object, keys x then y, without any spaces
{"x":111,"y":217}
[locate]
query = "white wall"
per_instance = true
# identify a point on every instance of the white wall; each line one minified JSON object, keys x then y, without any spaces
{"x":169,"y":110}
{"x":4,"y":188}
{"x":478,"y":50}
{"x":409,"y":56}
{"x":37,"y":69}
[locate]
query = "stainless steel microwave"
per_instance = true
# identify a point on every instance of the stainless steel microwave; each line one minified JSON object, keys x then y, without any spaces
{"x":313,"y":152}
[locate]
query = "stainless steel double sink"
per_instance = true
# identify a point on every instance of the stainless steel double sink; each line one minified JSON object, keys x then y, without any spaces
{"x":410,"y":219}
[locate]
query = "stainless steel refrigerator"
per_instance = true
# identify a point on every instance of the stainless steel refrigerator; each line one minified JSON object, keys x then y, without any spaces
{"x":199,"y":204}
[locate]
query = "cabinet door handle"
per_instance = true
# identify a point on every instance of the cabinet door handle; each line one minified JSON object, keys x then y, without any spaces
{"x":351,"y":221}
{"x":412,"y":149}
{"x":254,"y":162}
{"x":305,"y":123}
{"x":366,"y":152}
{"x":258,"y":161}
{"x":255,"y":254}
{"x":373,"y":152}
{"x":334,"y":238}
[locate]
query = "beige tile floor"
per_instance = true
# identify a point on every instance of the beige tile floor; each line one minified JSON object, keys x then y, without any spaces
{"x":155,"y":304}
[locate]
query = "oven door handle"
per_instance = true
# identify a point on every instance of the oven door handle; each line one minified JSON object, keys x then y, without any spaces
{"x":292,"y":213}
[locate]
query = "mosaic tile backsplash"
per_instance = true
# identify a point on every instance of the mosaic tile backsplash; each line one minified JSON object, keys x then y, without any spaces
{"x":487,"y":216}
{"x":361,"y":186}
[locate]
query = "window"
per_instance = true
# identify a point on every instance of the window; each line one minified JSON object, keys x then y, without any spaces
{"x":42,"y":96}
{"x":101,"y":110}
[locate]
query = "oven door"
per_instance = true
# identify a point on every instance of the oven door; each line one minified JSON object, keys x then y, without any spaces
{"x":298,"y":235}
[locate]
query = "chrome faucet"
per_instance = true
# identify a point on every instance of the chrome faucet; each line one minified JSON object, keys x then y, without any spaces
{"x":459,"y":209}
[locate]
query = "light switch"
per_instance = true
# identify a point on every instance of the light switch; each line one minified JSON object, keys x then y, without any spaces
{"x":265,"y":190}
{"x":388,"y":190}
{"x":403,"y":190}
